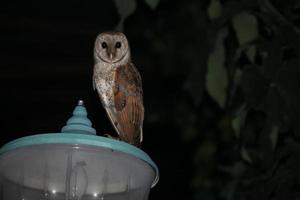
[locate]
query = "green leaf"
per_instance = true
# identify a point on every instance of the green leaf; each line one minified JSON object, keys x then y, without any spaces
{"x":245,"y":155}
{"x":245,"y":26}
{"x":214,"y":9}
{"x":251,"y":52}
{"x":125,"y":8}
{"x":205,"y":152}
{"x":217,"y":78}
{"x":237,"y":77}
{"x":236,"y":125}
{"x":274,"y":135}
{"x":239,"y":120}
{"x":152,"y":3}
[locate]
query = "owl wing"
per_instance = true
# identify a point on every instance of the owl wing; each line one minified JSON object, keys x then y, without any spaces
{"x":128,"y":114}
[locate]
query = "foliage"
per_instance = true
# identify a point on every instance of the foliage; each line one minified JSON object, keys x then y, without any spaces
{"x":237,"y":107}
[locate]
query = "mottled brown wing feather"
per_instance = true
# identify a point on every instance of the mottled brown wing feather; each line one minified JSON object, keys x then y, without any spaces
{"x":128,"y":99}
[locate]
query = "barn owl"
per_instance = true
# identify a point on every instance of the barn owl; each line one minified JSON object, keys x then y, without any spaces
{"x":119,"y":86}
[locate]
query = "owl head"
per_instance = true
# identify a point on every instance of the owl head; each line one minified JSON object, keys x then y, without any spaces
{"x":111,"y":47}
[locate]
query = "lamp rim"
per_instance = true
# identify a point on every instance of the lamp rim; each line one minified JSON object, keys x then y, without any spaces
{"x":81,"y":139}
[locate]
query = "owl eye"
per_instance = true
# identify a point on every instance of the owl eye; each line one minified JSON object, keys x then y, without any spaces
{"x":104,"y":45}
{"x":118,"y":45}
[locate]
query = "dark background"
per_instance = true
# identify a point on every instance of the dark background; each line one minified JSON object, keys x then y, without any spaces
{"x":220,"y":78}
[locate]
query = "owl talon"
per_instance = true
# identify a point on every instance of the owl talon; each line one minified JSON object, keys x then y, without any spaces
{"x":111,"y":137}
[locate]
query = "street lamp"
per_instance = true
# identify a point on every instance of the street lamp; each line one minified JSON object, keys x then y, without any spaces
{"x":75,"y":164}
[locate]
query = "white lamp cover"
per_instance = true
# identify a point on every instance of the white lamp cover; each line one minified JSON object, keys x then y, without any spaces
{"x":74,"y":166}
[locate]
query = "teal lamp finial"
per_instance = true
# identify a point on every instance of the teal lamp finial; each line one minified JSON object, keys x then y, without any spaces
{"x":79,"y":123}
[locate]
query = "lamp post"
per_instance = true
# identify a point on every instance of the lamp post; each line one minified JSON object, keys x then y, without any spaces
{"x":75,"y":164}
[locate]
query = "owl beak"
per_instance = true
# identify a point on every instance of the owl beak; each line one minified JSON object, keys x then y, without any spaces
{"x":110,"y":56}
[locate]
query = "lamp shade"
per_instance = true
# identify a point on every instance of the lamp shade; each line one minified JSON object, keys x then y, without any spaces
{"x":75,"y":164}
